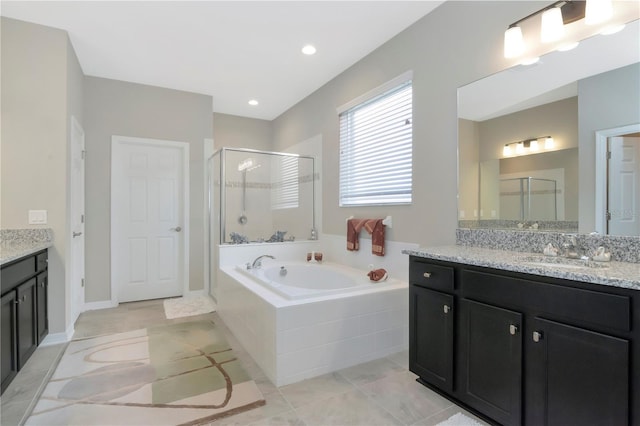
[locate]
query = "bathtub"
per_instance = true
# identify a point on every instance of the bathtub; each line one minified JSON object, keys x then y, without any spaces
{"x":316,"y":319}
{"x":300,"y":280}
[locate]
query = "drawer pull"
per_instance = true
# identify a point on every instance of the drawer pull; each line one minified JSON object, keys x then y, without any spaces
{"x":446,"y":309}
{"x":513,"y":329}
{"x":537,"y":336}
{"x":427,"y":275}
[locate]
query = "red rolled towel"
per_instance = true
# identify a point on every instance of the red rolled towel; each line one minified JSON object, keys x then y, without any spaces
{"x":378,"y":275}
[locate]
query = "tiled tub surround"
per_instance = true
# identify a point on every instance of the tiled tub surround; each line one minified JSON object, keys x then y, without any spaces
{"x":16,"y":243}
{"x":293,"y":340}
{"x":617,"y":274}
{"x":622,"y":249}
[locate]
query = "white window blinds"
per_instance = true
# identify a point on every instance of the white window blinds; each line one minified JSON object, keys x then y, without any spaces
{"x":285,"y":189}
{"x":376,"y":142}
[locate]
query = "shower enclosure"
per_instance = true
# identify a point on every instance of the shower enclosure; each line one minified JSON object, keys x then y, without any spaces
{"x":260,"y":196}
{"x":528,"y":199}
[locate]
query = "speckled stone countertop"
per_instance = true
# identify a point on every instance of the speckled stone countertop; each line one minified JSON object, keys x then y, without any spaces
{"x":17,"y":243}
{"x":617,"y":274}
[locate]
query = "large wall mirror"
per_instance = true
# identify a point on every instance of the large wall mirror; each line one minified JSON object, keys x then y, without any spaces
{"x":533,"y":141}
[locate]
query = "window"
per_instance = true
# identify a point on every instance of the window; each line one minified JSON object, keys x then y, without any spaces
{"x":376,"y":143}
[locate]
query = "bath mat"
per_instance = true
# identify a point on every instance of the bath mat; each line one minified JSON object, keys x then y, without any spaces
{"x":188,"y":306}
{"x":459,"y":419}
{"x":176,"y":374}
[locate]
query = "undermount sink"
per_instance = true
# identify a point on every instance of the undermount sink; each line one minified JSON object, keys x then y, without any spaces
{"x":562,"y":262}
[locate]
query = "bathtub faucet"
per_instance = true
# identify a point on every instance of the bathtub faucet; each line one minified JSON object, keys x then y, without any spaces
{"x":258,"y":262}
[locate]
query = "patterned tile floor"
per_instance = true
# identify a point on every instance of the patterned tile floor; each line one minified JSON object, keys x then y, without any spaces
{"x":380,"y":392}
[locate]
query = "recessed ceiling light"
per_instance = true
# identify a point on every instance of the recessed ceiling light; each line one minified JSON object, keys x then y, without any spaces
{"x":253,"y":102}
{"x":308,"y":49}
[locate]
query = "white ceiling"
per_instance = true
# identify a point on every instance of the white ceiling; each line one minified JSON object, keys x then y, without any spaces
{"x":232,"y":50}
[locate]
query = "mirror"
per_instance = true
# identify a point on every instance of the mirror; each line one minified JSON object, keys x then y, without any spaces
{"x":538,"y":183}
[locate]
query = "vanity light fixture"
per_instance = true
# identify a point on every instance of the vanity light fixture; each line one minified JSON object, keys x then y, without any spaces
{"x":554,"y":17}
{"x":528,"y":146}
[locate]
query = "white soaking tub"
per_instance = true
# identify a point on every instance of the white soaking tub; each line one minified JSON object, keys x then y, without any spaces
{"x":315,"y":319}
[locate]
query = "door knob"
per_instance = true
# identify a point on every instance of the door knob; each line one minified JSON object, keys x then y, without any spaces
{"x":177,"y":229}
{"x":76,"y":234}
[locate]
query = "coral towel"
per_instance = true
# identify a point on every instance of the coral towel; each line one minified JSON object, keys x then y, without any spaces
{"x":375,"y":227}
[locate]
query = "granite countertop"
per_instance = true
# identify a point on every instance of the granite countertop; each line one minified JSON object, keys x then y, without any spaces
{"x":17,"y":243}
{"x":617,"y":274}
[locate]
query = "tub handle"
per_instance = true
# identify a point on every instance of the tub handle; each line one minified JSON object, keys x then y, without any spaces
{"x":427,"y":275}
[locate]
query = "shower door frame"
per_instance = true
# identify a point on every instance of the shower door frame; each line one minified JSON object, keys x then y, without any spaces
{"x":223,"y":184}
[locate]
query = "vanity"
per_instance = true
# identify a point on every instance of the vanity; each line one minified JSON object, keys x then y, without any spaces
{"x":523,"y":341}
{"x":24,"y":282}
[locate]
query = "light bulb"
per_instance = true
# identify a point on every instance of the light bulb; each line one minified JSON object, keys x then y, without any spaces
{"x":513,"y":42}
{"x":597,"y":11}
{"x":506,"y":151}
{"x":552,"y":27}
{"x":548,"y":142}
{"x":519,"y":148}
{"x":533,"y":145}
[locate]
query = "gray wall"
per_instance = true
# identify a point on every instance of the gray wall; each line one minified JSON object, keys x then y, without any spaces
{"x":117,"y":108}
{"x":604,"y":103}
{"x":232,"y":131}
{"x":41,"y":89}
{"x":459,"y":42}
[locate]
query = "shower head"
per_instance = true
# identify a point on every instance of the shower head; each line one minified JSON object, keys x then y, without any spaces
{"x":248,"y":164}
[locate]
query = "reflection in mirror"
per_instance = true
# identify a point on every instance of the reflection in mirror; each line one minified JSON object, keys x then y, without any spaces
{"x":533,"y":187}
{"x":623,"y":185}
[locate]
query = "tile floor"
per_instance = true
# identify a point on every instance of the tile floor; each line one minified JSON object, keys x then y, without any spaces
{"x":380,"y":392}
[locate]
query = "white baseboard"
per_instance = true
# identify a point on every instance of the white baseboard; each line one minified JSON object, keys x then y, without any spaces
{"x":104,"y":304}
{"x":195,"y":293}
{"x":57,"y":338}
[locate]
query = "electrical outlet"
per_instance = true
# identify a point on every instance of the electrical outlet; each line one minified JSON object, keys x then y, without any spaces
{"x":37,"y":217}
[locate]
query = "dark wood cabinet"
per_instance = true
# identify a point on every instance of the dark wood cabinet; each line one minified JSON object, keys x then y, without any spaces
{"x":9,"y":344}
{"x":431,"y":331}
{"x":578,"y":376}
{"x":25,"y":320}
{"x":524,"y":349}
{"x":42,"y":293}
{"x":491,"y":355}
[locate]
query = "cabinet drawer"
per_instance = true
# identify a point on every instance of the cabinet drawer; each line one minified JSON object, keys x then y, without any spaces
{"x":41,"y":261}
{"x":575,"y":305}
{"x":17,"y":272}
{"x":429,"y":275}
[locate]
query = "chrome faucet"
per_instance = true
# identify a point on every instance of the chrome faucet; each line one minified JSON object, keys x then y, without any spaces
{"x":258,"y":262}
{"x":570,"y":247}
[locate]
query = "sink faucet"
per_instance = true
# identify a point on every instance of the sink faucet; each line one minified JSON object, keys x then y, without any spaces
{"x":258,"y":262}
{"x":570,"y":247}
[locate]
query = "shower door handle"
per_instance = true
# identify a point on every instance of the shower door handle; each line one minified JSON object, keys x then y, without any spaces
{"x":177,"y":229}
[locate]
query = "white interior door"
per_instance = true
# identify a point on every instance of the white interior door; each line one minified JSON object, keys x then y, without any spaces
{"x":148,"y":213}
{"x":624,"y":186}
{"x":77,"y":219}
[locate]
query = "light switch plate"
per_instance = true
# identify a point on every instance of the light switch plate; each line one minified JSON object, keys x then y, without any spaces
{"x":37,"y":217}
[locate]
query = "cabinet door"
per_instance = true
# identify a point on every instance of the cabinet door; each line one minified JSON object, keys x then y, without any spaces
{"x":42,"y":292}
{"x":431,"y":336}
{"x":8,"y":347}
{"x":491,"y":360}
{"x":577,"y":376}
{"x":26,"y":321}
